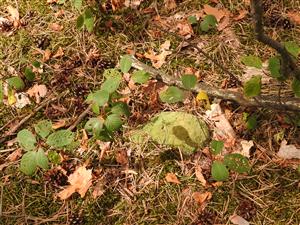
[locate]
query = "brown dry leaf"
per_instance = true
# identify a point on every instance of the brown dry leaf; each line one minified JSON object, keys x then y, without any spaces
{"x":224,"y":21}
{"x":199,"y":175}
{"x":172,"y":178}
{"x":59,"y":53}
{"x":246,"y":146}
{"x":159,"y":59}
{"x":14,"y":15}
{"x":80,"y":181}
{"x":59,"y":124}
{"x":241,"y":15}
{"x":56,"y":27}
{"x":294,"y":16}
{"x":15,"y":155}
{"x":83,"y":142}
{"x":98,"y":189}
{"x":218,"y":13}
{"x":223,"y":129}
{"x":46,"y":55}
{"x":170,"y":4}
{"x":200,"y":198}
{"x":37,"y":91}
{"x":288,"y":151}
{"x":238,"y":220}
{"x":121,"y":157}
{"x":184,"y":29}
{"x":117,"y":4}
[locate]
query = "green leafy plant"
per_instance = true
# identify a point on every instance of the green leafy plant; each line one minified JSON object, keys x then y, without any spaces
{"x":35,"y":156}
{"x":189,"y":81}
{"x":233,"y":161}
{"x":252,"y":87}
{"x":140,"y":76}
{"x":192,"y":20}
{"x":171,"y":95}
{"x":252,"y":61}
{"x":209,"y":22}
{"x":86,"y":20}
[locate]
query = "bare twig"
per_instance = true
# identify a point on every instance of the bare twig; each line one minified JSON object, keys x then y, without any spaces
{"x":80,"y":117}
{"x":48,"y":100}
{"x":288,"y":65}
{"x":290,"y":104}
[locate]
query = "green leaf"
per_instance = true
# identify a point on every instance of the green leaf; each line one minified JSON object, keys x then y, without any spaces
{"x":292,"y":47}
{"x":251,"y":122}
{"x":192,"y":20}
{"x":112,"y":73}
{"x":189,"y":81}
{"x":1,"y":91}
{"x":29,"y":74}
{"x":43,"y":128}
{"x":140,"y":76}
{"x":26,"y":140}
{"x":95,"y":108}
{"x":94,"y":126}
{"x":60,"y":138}
{"x":28,"y":163}
{"x":252,"y":61}
{"x":112,"y":83}
{"x":16,"y":82}
{"x":120,"y":108}
{"x":113,"y":122}
{"x":171,"y":95}
{"x":54,"y":157}
{"x":89,"y":20}
{"x":41,"y":159}
{"x":237,"y":163}
{"x":100,"y":97}
{"x":78,"y":4}
{"x":79,"y":21}
{"x":36,"y":64}
{"x":252,"y":87}
{"x":219,"y":171}
{"x":296,"y":87}
{"x":216,"y":146}
{"x":208,"y":23}
{"x":125,"y":63}
{"x":274,"y":66}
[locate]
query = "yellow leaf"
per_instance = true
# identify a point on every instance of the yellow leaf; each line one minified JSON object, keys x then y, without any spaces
{"x":11,"y":99}
{"x":202,"y":96}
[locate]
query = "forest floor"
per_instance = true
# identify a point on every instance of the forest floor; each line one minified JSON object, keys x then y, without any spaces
{"x":129,"y":184}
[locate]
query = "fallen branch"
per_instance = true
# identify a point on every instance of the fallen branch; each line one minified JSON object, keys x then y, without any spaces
{"x":286,"y":104}
{"x":48,"y":100}
{"x":80,"y":117}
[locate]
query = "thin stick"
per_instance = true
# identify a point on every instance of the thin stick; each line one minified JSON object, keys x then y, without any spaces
{"x":80,"y":118}
{"x":48,"y":100}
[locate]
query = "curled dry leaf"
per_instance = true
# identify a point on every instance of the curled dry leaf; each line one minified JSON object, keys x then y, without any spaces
{"x":242,"y":14}
{"x":56,"y":27}
{"x":15,"y":155}
{"x":59,"y":53}
{"x":37,"y":91}
{"x":200,"y":198}
{"x":46,"y":55}
{"x":199,"y":175}
{"x":288,"y":151}
{"x":172,"y":178}
{"x":238,"y":220}
{"x":80,"y":181}
{"x":59,"y":124}
{"x":160,"y":59}
{"x":170,"y":4}
{"x":294,"y":16}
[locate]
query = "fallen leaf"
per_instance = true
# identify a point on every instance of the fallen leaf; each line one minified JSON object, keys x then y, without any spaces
{"x":132,"y":3}
{"x":200,"y":198}
{"x":218,"y":13}
{"x":37,"y":91}
{"x":199,"y":175}
{"x":83,"y":142}
{"x":21,"y":100}
{"x":56,"y":27}
{"x":117,"y":4}
{"x":121,"y":157}
{"x":246,"y":146}
{"x":294,"y":16}
{"x":223,"y":129}
{"x":172,"y":178}
{"x":15,"y":155}
{"x":59,"y":124}
{"x":59,"y":53}
{"x":46,"y":55}
{"x":15,"y":16}
{"x":80,"y":181}
{"x":241,"y":15}
{"x":238,"y":220}
{"x":184,"y":29}
{"x":52,"y":1}
{"x":159,"y":59}
{"x":170,"y":4}
{"x":224,"y":21}
{"x":288,"y":151}
{"x":98,"y":189}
